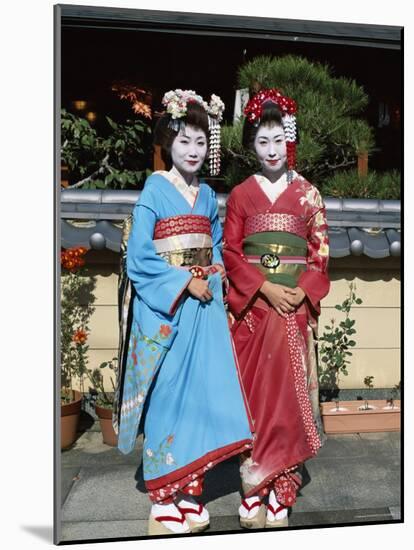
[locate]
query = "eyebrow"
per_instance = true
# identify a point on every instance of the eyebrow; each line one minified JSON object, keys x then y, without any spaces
{"x":266,"y":137}
{"x":188,"y":137}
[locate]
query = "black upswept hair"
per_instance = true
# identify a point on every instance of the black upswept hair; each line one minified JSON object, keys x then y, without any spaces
{"x":271,"y":115}
{"x":164,"y":136}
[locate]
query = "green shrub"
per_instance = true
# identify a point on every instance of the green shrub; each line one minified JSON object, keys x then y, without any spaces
{"x":375,"y":185}
{"x":117,"y":161}
{"x":331,"y":130}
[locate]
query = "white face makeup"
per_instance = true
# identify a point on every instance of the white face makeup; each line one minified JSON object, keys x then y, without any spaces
{"x":188,"y":151}
{"x":270,"y":147}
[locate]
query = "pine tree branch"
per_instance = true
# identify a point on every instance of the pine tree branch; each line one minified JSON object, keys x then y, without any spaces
{"x":234,"y":154}
{"x":340,"y":165}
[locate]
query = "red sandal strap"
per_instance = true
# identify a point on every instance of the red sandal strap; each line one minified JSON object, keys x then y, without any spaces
{"x":251,"y":506}
{"x":278,"y":509}
{"x":191,"y":510}
{"x":169,"y":518}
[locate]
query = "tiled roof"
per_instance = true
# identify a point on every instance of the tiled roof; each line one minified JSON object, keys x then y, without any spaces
{"x":93,"y":218}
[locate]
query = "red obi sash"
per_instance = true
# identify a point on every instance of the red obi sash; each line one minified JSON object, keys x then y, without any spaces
{"x":181,"y":225}
{"x":275,"y":222}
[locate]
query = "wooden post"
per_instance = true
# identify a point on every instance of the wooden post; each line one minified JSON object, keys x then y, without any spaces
{"x":64,"y":176}
{"x":159,"y":164}
{"x":362,"y":164}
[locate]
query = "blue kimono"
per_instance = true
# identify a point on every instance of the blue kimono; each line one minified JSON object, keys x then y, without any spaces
{"x":181,"y":382}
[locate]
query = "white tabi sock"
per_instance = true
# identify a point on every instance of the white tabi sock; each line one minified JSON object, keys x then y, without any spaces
{"x":159,"y":510}
{"x":244,"y":512}
{"x":279,"y":515}
{"x":187,"y":501}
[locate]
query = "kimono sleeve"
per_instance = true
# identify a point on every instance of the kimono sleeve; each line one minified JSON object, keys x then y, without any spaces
{"x":216,"y":231}
{"x":245,"y":279}
{"x":157,"y":283}
{"x":315,"y":281}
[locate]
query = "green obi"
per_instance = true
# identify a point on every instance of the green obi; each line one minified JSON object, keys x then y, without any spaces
{"x":281,"y":256}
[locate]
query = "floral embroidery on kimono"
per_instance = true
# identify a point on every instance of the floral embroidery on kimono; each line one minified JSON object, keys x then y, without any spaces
{"x":286,"y":242}
{"x":181,"y":385}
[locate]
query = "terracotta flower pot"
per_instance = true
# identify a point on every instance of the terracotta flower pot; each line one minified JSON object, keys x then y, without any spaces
{"x":105,"y":419}
{"x":69,"y":420}
{"x":350,"y":417}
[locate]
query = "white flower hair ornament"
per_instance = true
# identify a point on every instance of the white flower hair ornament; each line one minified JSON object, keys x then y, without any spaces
{"x":176,"y":101}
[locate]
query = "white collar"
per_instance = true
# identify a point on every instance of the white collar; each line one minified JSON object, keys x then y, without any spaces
{"x":278,"y":183}
{"x":189,"y":192}
{"x":176,"y":174}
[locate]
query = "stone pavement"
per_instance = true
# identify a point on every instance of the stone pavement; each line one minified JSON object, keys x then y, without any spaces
{"x":355,"y":478}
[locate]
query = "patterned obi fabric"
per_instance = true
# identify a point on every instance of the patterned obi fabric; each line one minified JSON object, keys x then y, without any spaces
{"x":184,"y":241}
{"x":275,"y":222}
{"x":276,"y":245}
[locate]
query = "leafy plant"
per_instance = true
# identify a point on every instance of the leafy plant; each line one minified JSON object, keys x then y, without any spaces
{"x":348,"y":183}
{"x":331,"y":130}
{"x":396,"y":389}
{"x":336,"y":342}
{"x":76,"y":291}
{"x":395,"y":392}
{"x":116,"y":161}
{"x":369,"y":384}
{"x":104,"y":399}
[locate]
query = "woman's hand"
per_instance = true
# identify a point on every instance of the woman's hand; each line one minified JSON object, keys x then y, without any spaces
{"x":297,"y":294}
{"x":199,"y":289}
{"x":282,"y":298}
{"x":222,"y":271}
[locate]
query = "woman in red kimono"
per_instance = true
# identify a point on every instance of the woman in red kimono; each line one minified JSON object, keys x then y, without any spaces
{"x":276,"y":255}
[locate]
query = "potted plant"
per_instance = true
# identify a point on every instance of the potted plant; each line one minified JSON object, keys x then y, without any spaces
{"x":104,"y":400}
{"x":394,"y":393}
{"x":75,"y":289}
{"x":369,"y":385}
{"x":378,"y":415}
{"x":335,"y":351}
{"x":349,"y":416}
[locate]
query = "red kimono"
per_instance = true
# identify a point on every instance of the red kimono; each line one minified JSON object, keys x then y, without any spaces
{"x":285,"y":242}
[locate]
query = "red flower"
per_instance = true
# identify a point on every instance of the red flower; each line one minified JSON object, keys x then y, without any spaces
{"x":71,"y":259}
{"x":134,"y":358}
{"x":165,"y":331}
{"x":170,"y":439}
{"x":80,"y":336}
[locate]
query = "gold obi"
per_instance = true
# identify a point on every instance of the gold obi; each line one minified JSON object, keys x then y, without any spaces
{"x":188,"y":257}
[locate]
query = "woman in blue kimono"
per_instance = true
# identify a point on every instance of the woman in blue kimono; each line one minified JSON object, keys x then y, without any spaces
{"x":181,"y":383}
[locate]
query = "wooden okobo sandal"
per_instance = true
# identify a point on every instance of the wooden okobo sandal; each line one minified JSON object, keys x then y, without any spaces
{"x":276,"y":522}
{"x":256,"y":522}
{"x":155,"y":527}
{"x":195,"y":526}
